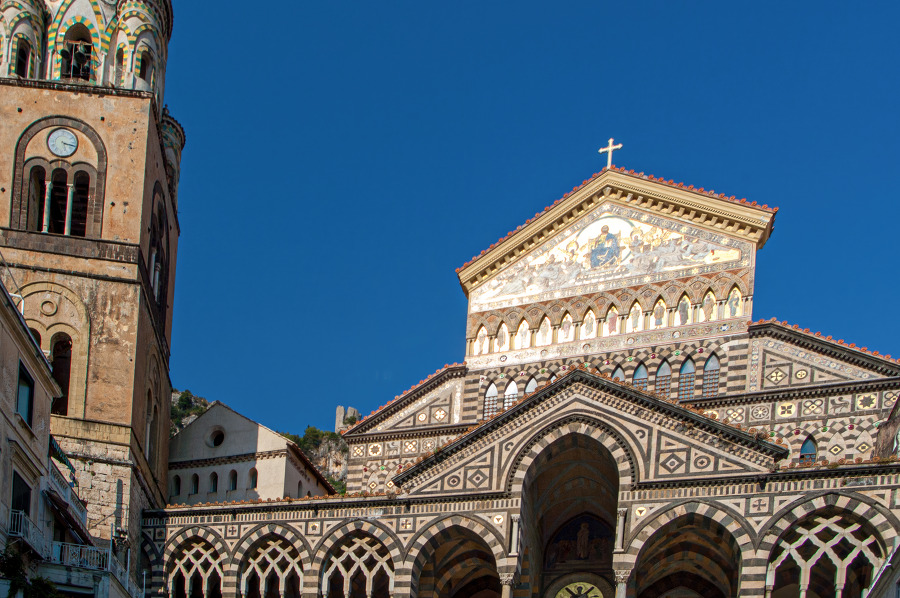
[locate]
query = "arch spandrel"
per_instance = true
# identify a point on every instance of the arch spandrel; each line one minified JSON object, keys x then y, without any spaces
{"x":646,"y":446}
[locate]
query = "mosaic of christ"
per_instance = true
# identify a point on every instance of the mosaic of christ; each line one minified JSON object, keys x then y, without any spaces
{"x":610,"y":247}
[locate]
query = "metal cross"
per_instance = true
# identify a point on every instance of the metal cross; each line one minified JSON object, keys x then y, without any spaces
{"x":609,"y":150}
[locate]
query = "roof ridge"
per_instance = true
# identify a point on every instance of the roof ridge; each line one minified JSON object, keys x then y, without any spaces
{"x":650,"y":177}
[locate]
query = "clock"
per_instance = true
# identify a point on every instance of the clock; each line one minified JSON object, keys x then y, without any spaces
{"x":62,"y":142}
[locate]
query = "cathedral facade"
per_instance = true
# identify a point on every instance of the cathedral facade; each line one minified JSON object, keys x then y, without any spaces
{"x":620,"y":427}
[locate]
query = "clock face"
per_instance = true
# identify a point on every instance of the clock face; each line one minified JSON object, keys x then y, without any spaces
{"x":62,"y":142}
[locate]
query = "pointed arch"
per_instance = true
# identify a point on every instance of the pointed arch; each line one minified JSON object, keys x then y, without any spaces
{"x":490,"y":401}
{"x":522,"y":339}
{"x":659,"y":315}
{"x":683,"y":312}
{"x":588,"y":325}
{"x":501,"y":341}
{"x":711,"y":377}
{"x":566,"y":329}
{"x":664,"y":379}
{"x":635,"y":321}
{"x":612,"y":322}
{"x":545,"y":333}
{"x":618,"y":374}
{"x":708,"y":307}
{"x":734,"y":305}
{"x":480,"y":346}
{"x":686,"y":376}
{"x":641,"y":377}
{"x":510,"y":395}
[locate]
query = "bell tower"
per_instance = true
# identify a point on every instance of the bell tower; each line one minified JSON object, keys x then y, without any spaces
{"x":89,"y":168}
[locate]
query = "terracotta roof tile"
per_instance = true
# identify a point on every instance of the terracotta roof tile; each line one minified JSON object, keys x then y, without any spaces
{"x":650,"y":177}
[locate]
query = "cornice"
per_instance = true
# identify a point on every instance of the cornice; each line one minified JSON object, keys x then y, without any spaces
{"x":715,"y":213}
{"x":818,"y":390}
{"x":859,"y":357}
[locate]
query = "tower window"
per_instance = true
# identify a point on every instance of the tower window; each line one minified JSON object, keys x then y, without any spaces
{"x":23,"y":57}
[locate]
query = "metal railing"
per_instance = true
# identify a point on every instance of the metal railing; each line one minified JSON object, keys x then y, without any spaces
{"x":21,"y":526}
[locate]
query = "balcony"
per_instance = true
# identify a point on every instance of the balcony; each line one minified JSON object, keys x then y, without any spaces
{"x":94,"y":559}
{"x":21,"y":526}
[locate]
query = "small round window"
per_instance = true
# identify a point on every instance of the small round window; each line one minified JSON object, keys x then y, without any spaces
{"x":216,"y":437}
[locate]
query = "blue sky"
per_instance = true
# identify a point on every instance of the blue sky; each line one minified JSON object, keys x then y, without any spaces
{"x":343,"y":158}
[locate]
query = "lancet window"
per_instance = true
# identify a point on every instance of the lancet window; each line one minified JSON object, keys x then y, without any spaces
{"x":490,"y":401}
{"x":612,"y":322}
{"x":272,"y":568}
{"x":511,"y":395}
{"x":683,"y":312}
{"x":635,"y":321}
{"x":523,"y":336}
{"x":711,"y":377}
{"x":658,"y":315}
{"x":663,"y":379}
{"x":566,"y":329}
{"x":639,"y":380}
{"x":589,"y":325}
{"x":708,"y":307}
{"x":545,"y":333}
{"x":686,"y":379}
{"x":501,"y":342}
{"x":360,"y":566}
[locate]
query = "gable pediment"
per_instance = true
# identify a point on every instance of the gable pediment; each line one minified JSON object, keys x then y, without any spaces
{"x":679,"y":207}
{"x":611,"y":247}
{"x":654,"y":440}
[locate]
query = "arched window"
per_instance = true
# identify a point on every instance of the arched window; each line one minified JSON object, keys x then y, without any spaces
{"x":176,"y":486}
{"x":481,"y":341}
{"x":686,"y":380}
{"x":59,"y":197}
{"x":566,"y":329}
{"x":523,"y":336}
{"x":61,"y":360}
{"x":708,"y":307}
{"x":253,"y":478}
{"x":23,"y":57}
{"x":711,"y":377}
{"x":808,"y":450}
{"x":232,"y":480}
{"x":734,"y":306}
{"x":635,"y":321}
{"x":683,"y":313}
{"x":37,"y":194}
{"x":619,"y":374}
{"x":589,"y":325}
{"x":490,"y":401}
{"x":145,"y":70}
{"x":531,"y":386}
{"x":640,"y":377}
{"x":664,"y":379}
{"x":501,"y":342}
{"x":511,"y":394}
{"x":213,"y":482}
{"x":120,"y":67}
{"x":545,"y":333}
{"x":612,"y":322}
{"x":658,"y":317}
{"x":76,"y":221}
{"x":195,"y":484}
{"x":77,"y":59}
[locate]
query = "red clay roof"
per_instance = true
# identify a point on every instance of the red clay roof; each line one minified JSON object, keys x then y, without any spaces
{"x":641,"y":175}
{"x":829,"y":338}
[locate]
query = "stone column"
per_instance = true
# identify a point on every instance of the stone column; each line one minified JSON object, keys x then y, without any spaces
{"x":46,"y":223}
{"x":622,"y":576}
{"x":70,"y":199}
